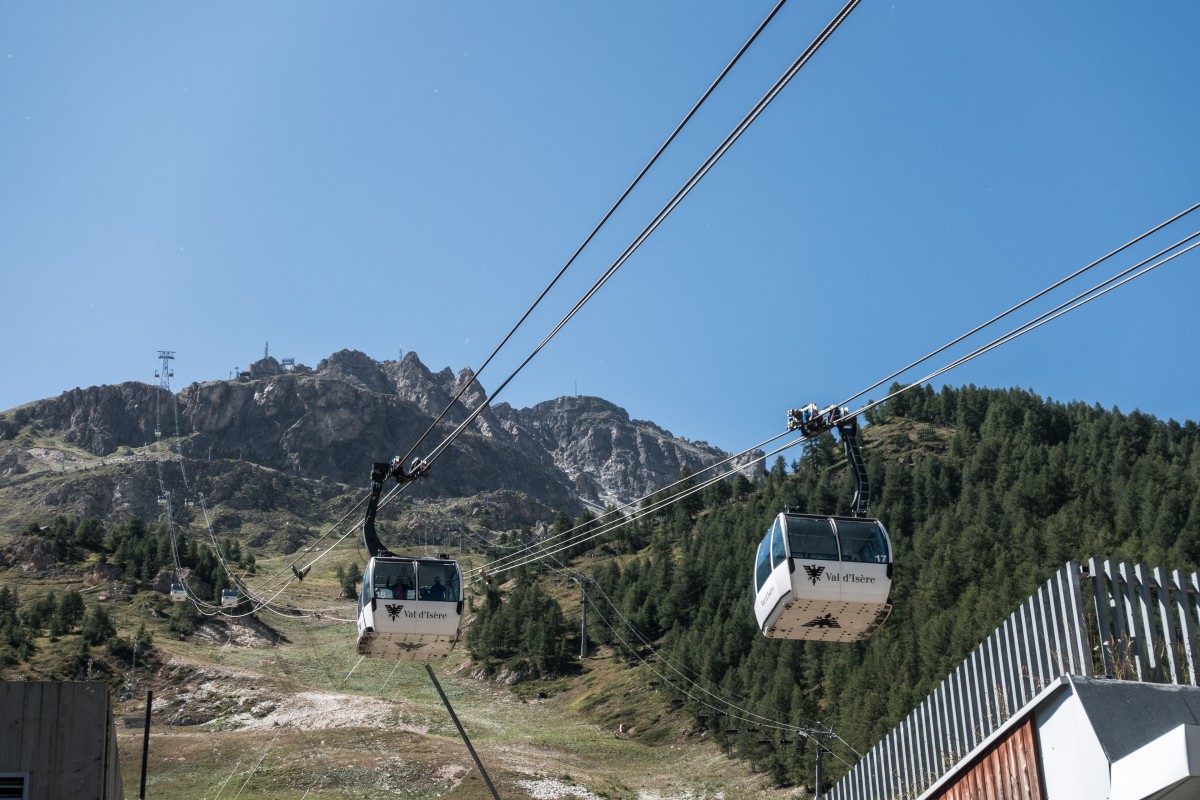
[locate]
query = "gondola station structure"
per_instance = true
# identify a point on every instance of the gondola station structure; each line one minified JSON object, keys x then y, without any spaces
{"x":1088,"y":691}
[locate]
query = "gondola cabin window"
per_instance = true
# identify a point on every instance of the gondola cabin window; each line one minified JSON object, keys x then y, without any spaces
{"x":763,"y":569}
{"x":778,"y":545}
{"x":367,"y":592}
{"x":862,"y":540}
{"x":812,"y":539}
{"x":395,"y":581}
{"x":439,"y":583}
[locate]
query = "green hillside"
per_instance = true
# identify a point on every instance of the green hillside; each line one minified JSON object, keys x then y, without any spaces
{"x":985,"y":494}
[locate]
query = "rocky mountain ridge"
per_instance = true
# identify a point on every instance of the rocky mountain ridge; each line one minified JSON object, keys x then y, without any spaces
{"x":327,"y":425}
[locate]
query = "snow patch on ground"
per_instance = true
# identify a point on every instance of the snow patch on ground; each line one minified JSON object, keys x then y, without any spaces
{"x":551,"y":789}
{"x":311,"y":710}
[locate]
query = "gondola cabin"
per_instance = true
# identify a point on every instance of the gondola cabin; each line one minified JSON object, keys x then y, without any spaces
{"x":229,"y":597}
{"x":409,"y":608}
{"x":823,"y":578}
{"x":178,"y":592}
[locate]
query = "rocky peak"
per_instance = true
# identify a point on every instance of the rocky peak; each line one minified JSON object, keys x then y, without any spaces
{"x":356,"y":368}
{"x":332,"y":424}
{"x":414,"y":382}
{"x":609,"y":457}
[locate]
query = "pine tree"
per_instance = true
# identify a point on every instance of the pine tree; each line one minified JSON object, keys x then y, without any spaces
{"x":349,"y":580}
{"x":98,"y":626}
{"x":68,"y":613}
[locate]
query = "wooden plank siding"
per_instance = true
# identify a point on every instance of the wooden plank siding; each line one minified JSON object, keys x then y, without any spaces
{"x":1007,"y":771}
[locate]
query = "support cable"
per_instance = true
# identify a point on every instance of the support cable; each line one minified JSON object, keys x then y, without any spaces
{"x":658,"y":219}
{"x":750,"y":715}
{"x":1026,"y":302}
{"x":636,"y":504}
{"x":744,"y":715}
{"x":690,"y":184}
{"x":588,"y":532}
{"x":1136,"y":271}
{"x":603,"y":220}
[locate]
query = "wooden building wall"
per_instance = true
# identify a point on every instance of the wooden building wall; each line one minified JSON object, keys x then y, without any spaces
{"x":1008,"y":771}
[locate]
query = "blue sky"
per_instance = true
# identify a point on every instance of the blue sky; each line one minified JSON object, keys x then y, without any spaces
{"x":387,"y":177}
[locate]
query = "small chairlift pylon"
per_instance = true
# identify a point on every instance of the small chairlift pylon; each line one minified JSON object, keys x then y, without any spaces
{"x":408,"y":608}
{"x":825,"y":578}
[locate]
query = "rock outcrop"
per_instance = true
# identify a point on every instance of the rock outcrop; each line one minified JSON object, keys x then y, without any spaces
{"x":329,"y":424}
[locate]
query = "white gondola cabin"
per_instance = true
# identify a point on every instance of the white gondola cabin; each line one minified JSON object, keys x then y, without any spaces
{"x":229,"y":597}
{"x":409,"y":608}
{"x":178,"y":592}
{"x":823,"y":578}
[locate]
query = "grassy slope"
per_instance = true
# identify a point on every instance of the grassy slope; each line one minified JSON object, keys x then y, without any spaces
{"x":301,"y":717}
{"x":236,"y":714}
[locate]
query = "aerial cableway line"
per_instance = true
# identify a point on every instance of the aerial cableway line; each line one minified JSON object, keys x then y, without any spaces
{"x":713,"y":158}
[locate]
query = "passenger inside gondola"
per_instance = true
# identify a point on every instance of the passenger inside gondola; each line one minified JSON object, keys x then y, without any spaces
{"x":405,"y":582}
{"x":437,"y":582}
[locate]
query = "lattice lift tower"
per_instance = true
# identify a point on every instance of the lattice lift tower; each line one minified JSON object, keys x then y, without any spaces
{"x":164,"y":375}
{"x":165,"y":372}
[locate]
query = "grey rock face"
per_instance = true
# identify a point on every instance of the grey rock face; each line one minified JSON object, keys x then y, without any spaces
{"x":609,"y":458}
{"x":332,"y":423}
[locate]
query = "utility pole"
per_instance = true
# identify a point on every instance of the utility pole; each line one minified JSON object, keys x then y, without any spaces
{"x":817,"y":771}
{"x":582,"y":623}
{"x":817,"y":734}
{"x":580,"y":579}
{"x":145,"y":744}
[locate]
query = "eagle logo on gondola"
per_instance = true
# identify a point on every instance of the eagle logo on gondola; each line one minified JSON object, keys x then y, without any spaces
{"x":826,"y":621}
{"x":393,"y":610}
{"x":814,"y":573}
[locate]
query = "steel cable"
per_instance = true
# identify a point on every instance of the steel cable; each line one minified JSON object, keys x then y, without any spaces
{"x":603,"y":220}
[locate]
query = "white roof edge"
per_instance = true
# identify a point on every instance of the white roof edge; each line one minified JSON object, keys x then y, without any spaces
{"x":1165,"y":763}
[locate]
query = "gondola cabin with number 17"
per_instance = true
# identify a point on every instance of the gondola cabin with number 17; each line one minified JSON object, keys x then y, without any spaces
{"x":822,"y":578}
{"x":825,"y":578}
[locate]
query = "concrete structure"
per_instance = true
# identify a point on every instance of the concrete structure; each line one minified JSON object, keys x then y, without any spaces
{"x":57,"y":740}
{"x":1087,"y":739}
{"x":1027,"y":717}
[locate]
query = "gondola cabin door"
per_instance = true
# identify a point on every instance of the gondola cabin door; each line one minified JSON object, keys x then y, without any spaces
{"x":823,"y":578}
{"x":409,"y":608}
